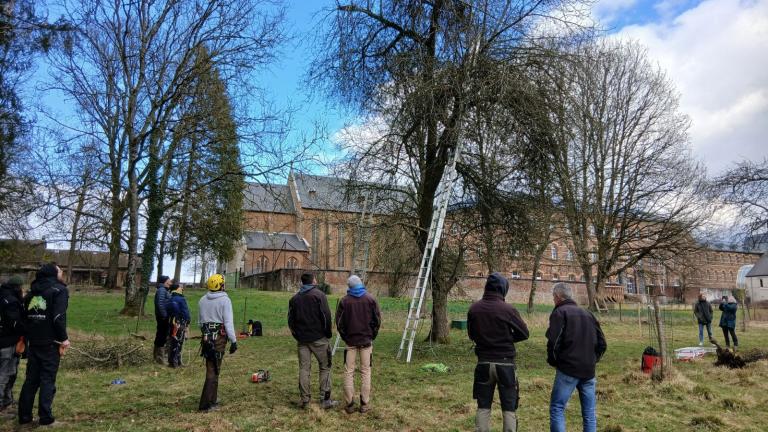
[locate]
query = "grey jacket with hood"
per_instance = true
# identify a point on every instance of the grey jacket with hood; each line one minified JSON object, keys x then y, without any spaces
{"x":216,"y":307}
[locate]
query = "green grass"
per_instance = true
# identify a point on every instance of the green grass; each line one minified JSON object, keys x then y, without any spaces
{"x":698,"y":397}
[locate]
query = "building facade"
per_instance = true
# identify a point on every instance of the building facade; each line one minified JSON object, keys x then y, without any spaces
{"x":311,"y":222}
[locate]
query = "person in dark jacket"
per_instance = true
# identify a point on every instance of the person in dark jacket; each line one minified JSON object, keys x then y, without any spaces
{"x":728,"y":320}
{"x":358,"y":320}
{"x":45,"y":326}
{"x":575,"y":343}
{"x":161,"y":317}
{"x":178,"y":322}
{"x":309,"y":319}
{"x":702,"y":310}
{"x":494,"y":326}
{"x":11,"y":330}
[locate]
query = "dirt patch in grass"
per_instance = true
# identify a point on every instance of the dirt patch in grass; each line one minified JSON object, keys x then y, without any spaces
{"x":706,"y":424}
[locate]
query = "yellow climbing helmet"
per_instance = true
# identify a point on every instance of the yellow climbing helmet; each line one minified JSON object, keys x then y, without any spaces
{"x":215,"y":282}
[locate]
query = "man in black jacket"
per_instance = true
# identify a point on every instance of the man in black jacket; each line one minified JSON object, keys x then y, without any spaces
{"x":309,"y":319}
{"x":11,"y":329}
{"x":495,"y":326}
{"x":703,"y":312}
{"x":575,"y":343}
{"x":45,"y":322}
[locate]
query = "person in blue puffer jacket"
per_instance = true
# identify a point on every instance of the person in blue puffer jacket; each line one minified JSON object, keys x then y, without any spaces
{"x":728,"y":320}
{"x":178,"y":322}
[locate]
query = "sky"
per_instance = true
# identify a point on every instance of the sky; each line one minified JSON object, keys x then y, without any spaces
{"x":715,"y":51}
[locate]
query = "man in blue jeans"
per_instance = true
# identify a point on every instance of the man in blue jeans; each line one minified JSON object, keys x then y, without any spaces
{"x":575,"y":344}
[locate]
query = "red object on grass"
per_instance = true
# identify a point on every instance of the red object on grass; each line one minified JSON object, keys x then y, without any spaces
{"x":649,"y":362}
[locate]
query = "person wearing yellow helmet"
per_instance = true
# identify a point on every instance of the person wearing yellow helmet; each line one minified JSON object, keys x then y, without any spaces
{"x":216,"y":322}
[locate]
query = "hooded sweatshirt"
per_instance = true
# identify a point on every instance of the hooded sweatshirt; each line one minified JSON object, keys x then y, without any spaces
{"x":216,"y":307}
{"x":45,"y":309}
{"x":358,"y":320}
{"x":495,"y":325}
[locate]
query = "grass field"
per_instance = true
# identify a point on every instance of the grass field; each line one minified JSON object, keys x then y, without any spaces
{"x":699,"y":397}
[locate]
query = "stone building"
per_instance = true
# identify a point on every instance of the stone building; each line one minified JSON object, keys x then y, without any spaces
{"x":310,"y":224}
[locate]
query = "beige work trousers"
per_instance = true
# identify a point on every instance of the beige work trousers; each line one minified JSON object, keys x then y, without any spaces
{"x":350,"y":359}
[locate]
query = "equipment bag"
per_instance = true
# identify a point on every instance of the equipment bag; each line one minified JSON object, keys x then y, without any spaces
{"x":256,"y":329}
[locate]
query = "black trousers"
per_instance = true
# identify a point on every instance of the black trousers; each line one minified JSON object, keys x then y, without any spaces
{"x":726,"y":331}
{"x":488,"y":376}
{"x":161,"y":335}
{"x":42,"y":367}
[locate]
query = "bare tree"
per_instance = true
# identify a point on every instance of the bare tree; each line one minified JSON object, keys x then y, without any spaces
{"x":420,"y":68}
{"x":127,"y":70}
{"x":746,"y":187}
{"x":627,"y":184}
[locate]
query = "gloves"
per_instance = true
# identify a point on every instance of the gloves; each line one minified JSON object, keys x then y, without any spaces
{"x":233,"y":347}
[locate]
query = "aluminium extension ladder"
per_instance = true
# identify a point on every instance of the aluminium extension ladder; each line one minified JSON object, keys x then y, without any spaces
{"x":362,"y":243}
{"x":439,"y":208}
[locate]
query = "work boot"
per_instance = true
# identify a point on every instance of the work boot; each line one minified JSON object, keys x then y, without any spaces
{"x":157,"y":353}
{"x":304,"y":404}
{"x":328,"y":403}
{"x":350,"y":408}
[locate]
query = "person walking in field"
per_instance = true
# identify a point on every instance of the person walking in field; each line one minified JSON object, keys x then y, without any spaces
{"x":728,"y":320}
{"x":702,"y":310}
{"x":45,"y":327}
{"x":495,"y":326}
{"x":217,"y":326}
{"x":178,"y":322}
{"x":161,"y":318}
{"x":11,"y":331}
{"x":575,"y":343}
{"x":309,"y":319}
{"x":358,"y":320}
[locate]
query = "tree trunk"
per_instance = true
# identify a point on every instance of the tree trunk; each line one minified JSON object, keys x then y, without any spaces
{"x":161,"y":250}
{"x":75,"y":226}
{"x":534,"y":281}
{"x":440,"y":329}
{"x":591,"y":293}
{"x":115,"y":239}
{"x":133,"y":294}
{"x":154,"y":215}
{"x":660,"y":337}
{"x":203,"y":269}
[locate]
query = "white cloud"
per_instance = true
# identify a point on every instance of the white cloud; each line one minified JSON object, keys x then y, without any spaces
{"x":607,"y":11}
{"x":717,"y":55}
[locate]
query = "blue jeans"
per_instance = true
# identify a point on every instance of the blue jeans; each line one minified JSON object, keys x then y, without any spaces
{"x":562,"y":391}
{"x":701,"y":331}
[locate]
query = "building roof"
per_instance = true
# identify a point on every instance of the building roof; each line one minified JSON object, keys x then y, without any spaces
{"x":275,"y":241}
{"x":340,"y":194}
{"x":760,"y":268}
{"x":268,"y":198}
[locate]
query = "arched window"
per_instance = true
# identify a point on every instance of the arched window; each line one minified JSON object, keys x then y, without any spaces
{"x":571,"y":277}
{"x":262,"y":264}
{"x":292,"y":263}
{"x":554,"y":252}
{"x":555,"y":276}
{"x":569,"y":255}
{"x":538,"y":275}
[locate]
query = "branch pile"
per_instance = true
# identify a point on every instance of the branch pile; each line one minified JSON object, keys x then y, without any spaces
{"x":737,"y":360}
{"x":109,"y":354}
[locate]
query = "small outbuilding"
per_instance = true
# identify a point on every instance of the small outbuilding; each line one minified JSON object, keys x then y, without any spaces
{"x":756,"y":280}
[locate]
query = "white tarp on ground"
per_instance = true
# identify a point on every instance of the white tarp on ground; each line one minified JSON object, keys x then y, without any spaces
{"x":691,"y":353}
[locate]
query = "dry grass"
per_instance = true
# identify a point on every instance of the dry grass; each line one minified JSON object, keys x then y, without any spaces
{"x":696,"y":396}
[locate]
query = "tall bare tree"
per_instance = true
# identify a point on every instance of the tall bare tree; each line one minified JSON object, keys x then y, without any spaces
{"x":420,"y":67}
{"x":127,"y":70}
{"x":627,"y":184}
